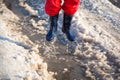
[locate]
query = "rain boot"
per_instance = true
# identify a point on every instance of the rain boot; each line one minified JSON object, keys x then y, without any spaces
{"x":53,"y":28}
{"x":66,"y":27}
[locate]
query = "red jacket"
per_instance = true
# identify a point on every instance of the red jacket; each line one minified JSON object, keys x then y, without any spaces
{"x":52,"y":7}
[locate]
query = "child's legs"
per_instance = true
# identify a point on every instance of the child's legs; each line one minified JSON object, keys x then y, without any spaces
{"x":70,"y":6}
{"x":52,"y":7}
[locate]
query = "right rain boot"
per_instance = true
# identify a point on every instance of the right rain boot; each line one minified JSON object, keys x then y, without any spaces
{"x":53,"y":28}
{"x":66,"y":27}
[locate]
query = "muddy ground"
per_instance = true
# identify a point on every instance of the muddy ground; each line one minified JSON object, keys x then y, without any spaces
{"x":95,"y":55}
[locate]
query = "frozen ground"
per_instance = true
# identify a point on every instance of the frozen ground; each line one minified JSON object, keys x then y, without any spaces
{"x":95,"y":55}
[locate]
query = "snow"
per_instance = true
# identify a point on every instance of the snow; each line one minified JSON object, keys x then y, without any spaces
{"x":94,"y":55}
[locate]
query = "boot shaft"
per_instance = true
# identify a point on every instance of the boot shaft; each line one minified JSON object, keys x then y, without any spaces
{"x":53,"y":21}
{"x":67,"y":21}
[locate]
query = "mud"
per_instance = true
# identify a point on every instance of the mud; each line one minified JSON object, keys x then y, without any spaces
{"x":95,"y":53}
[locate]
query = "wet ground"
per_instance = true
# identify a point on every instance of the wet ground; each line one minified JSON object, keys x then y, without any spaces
{"x":95,"y":53}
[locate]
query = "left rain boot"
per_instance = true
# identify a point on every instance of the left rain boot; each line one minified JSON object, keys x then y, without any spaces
{"x":66,"y":27}
{"x":53,"y":28}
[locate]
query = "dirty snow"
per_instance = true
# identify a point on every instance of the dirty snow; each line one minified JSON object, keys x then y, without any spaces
{"x":95,"y":55}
